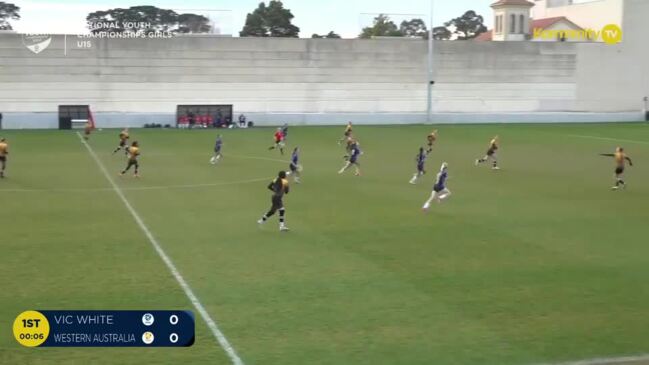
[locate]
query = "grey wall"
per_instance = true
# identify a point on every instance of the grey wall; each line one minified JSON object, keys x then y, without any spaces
{"x":305,"y":81}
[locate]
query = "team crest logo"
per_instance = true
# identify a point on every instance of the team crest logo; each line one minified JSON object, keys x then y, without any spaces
{"x":37,"y":43}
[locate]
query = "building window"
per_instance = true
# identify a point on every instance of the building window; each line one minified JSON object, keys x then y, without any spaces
{"x":512,"y":25}
{"x":521,"y":24}
{"x":497,"y":24}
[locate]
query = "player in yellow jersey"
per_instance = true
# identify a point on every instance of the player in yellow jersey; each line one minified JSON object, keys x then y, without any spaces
{"x":348,"y":133}
{"x":123,"y":140}
{"x":431,"y":141}
{"x":491,"y":154}
{"x":4,"y":151}
{"x":87,"y":130}
{"x":279,"y":187}
{"x":620,"y":163}
{"x":133,"y":153}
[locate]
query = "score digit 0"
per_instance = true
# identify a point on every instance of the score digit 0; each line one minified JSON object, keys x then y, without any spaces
{"x":173,"y":319}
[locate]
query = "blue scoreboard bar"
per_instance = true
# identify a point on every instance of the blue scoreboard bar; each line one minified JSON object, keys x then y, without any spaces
{"x":155,"y":328}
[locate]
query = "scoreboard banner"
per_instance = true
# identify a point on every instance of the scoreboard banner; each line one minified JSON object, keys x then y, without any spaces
{"x":53,"y":328}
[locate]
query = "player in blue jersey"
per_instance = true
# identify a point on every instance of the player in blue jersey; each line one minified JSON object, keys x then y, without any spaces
{"x":296,"y":168}
{"x":440,"y":192}
{"x":421,"y":160}
{"x":354,"y":154}
{"x":218,"y":145}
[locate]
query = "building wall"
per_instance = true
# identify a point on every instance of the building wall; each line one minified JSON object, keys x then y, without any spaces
{"x":304,"y":81}
{"x":616,"y":77}
{"x":587,"y":14}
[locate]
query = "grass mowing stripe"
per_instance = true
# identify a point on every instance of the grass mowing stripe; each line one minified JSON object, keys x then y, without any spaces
{"x":608,"y":139}
{"x":159,"y":187}
{"x":211,"y":324}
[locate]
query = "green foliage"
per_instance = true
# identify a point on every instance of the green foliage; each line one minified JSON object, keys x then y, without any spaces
{"x":414,"y":28}
{"x":441,"y":33}
{"x":382,"y":27}
{"x":272,"y":20}
{"x":467,"y":26}
{"x":161,"y":20}
{"x":8,"y":11}
{"x":331,"y":35}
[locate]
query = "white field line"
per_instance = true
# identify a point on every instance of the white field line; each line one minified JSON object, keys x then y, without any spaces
{"x":211,"y":324}
{"x":607,"y":360}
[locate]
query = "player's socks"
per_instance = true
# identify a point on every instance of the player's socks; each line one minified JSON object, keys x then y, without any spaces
{"x":282,"y":223}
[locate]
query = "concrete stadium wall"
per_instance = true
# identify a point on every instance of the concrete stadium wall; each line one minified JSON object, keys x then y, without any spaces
{"x":304,"y":81}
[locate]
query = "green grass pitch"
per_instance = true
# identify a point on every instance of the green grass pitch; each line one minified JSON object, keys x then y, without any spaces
{"x":537,"y":263}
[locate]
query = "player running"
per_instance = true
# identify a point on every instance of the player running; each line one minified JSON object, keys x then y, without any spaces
{"x":218,"y":145}
{"x":620,"y":163}
{"x":431,"y":141}
{"x":133,"y":153}
{"x":123,"y":140}
{"x":87,"y":130}
{"x":279,"y":141}
{"x":421,"y":160}
{"x":353,"y":159}
{"x":4,"y":151}
{"x":279,"y":187}
{"x":348,"y":133}
{"x":440,"y":192}
{"x":491,"y":154}
{"x":285,"y":131}
{"x":296,"y":168}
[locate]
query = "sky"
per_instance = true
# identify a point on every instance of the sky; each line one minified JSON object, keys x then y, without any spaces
{"x":345,"y":17}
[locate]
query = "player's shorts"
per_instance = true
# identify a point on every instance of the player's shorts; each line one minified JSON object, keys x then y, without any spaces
{"x":277,"y":202}
{"x":491,"y":152}
{"x":353,"y":159}
{"x":293,"y":167}
{"x":3,"y":158}
{"x":420,"y":167}
{"x":619,"y":170}
{"x":122,"y":142}
{"x":132,"y":163}
{"x":430,"y":143}
{"x":87,"y":131}
{"x":217,"y":150}
{"x":348,"y":133}
{"x":439,"y":188}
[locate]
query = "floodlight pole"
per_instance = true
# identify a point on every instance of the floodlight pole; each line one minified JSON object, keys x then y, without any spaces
{"x":429,"y":111}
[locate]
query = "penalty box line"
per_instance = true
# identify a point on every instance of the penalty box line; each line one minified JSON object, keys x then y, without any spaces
{"x":211,"y":323}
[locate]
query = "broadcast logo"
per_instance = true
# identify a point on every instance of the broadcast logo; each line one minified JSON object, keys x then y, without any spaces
{"x":147,"y":338}
{"x":37,"y":43}
{"x":147,"y":319}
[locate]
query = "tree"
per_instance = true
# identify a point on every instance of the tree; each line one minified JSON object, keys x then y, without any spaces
{"x":272,"y":20}
{"x":413,"y":28}
{"x":330,"y":35}
{"x":193,"y":23}
{"x":160,"y":20}
{"x":441,"y":33}
{"x":382,"y":27}
{"x":8,"y":11}
{"x":468,"y":26}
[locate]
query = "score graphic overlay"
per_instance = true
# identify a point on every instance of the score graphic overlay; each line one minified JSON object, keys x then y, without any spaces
{"x":46,"y":328}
